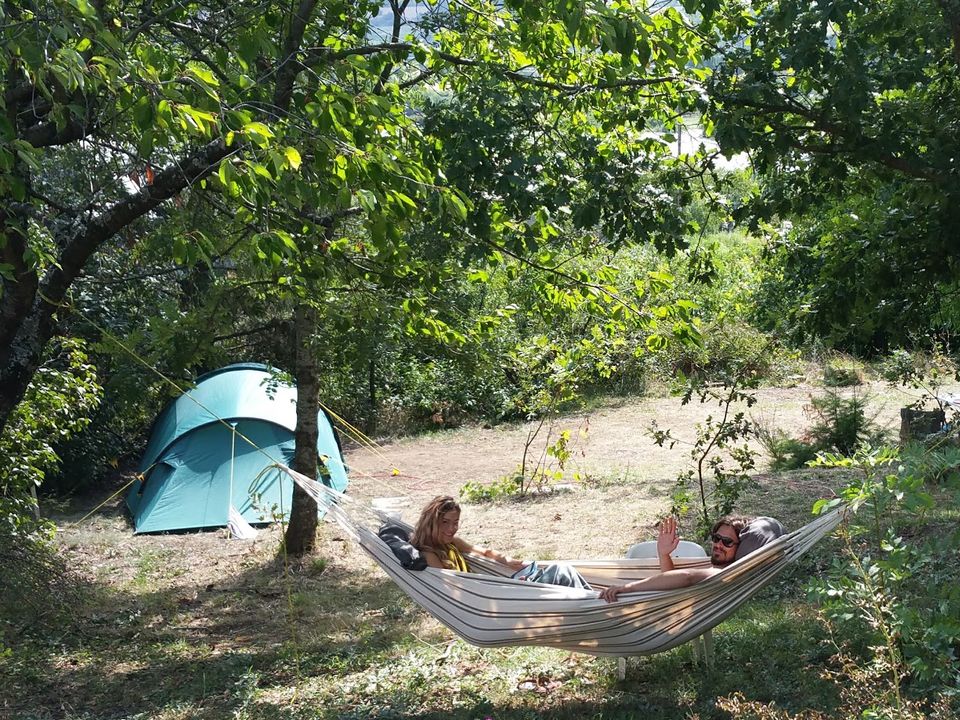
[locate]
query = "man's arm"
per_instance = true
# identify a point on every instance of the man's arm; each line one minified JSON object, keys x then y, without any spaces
{"x":667,"y":542}
{"x":669,"y":580}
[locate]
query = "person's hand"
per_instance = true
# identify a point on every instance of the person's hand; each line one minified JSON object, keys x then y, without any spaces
{"x":516,"y":564}
{"x":668,"y":539}
{"x":610,"y":594}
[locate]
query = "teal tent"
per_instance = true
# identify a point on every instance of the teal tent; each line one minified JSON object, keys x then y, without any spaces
{"x":196,"y":466}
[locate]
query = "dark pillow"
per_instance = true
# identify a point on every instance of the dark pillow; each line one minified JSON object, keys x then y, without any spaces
{"x":758,"y":533}
{"x":397,"y":538}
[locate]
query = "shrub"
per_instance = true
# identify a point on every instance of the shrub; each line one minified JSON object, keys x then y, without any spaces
{"x":720,"y":459}
{"x":843,"y":371}
{"x":786,"y":453}
{"x":922,"y":369}
{"x":896,"y":585}
{"x":727,"y":348}
{"x":506,"y":486}
{"x":58,"y":404}
{"x":841,"y":424}
{"x":898,"y":364}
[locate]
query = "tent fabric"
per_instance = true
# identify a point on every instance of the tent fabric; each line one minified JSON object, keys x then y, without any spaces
{"x":490,"y":610}
{"x":237,"y":422}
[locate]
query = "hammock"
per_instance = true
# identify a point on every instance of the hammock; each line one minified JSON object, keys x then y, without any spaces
{"x":488,"y":609}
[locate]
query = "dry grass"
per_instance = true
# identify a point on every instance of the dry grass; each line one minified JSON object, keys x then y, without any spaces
{"x":625,"y":482}
{"x":195,"y":625}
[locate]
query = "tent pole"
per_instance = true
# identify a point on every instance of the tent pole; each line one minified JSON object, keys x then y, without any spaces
{"x":233,"y":445}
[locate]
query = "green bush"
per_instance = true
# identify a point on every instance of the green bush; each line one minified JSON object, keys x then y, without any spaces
{"x":843,"y":371}
{"x":728,"y":347}
{"x":506,"y":487}
{"x":58,"y":404}
{"x":842,"y":424}
{"x":923,"y":369}
{"x":899,"y":364}
{"x":786,"y":453}
{"x":897,"y":584}
{"x":443,"y":393}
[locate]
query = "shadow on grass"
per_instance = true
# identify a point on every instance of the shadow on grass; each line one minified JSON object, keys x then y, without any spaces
{"x":142,"y":648}
{"x":230,"y":654}
{"x":336,"y":642}
{"x":140,"y":653}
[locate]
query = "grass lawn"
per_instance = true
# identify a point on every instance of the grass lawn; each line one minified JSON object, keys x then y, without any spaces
{"x":195,"y":625}
{"x":198,"y":626}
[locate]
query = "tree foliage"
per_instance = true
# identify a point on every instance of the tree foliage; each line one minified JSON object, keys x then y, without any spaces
{"x":848,"y":108}
{"x":187,"y":174}
{"x":58,"y":404}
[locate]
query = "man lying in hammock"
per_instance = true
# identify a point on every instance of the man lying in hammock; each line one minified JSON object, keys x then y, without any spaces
{"x":725,"y":537}
{"x":436,"y":538}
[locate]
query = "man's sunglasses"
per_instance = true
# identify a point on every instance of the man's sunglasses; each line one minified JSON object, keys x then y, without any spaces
{"x":724,"y":540}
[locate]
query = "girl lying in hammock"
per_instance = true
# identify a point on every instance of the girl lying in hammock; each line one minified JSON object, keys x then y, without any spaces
{"x":436,"y":538}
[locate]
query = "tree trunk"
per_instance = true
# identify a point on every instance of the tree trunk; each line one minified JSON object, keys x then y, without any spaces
{"x":29,"y":304}
{"x":302,"y":531}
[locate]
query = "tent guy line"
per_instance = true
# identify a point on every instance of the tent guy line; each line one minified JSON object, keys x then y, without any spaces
{"x":349,"y":429}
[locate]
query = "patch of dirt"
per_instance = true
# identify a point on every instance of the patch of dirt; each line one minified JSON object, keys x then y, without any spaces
{"x":624,"y":477}
{"x":609,"y":443}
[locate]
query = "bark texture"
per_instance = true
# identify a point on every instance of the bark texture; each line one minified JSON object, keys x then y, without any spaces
{"x":301,"y":533}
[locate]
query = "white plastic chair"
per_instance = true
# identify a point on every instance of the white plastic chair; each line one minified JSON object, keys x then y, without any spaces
{"x":702,"y":645}
{"x":648,"y":549}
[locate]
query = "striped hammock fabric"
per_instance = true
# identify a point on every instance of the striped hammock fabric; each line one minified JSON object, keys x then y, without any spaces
{"x":488,"y":609}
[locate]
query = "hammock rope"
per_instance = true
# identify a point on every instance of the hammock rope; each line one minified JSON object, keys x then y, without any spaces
{"x":488,"y":609}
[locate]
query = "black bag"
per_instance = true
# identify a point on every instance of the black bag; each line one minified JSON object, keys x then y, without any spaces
{"x":399,"y":541}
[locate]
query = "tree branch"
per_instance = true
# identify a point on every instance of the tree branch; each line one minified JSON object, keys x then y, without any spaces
{"x":398,"y":11}
{"x":858,"y":143}
{"x":289,"y":65}
{"x":570,"y":278}
{"x":327,"y":56}
{"x":83,"y":242}
{"x":272,"y":325}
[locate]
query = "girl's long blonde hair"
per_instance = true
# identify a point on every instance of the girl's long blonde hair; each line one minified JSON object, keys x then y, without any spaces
{"x":426,"y":535}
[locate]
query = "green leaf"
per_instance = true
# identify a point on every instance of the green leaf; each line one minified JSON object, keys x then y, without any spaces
{"x":258,"y":133}
{"x":293,"y":157}
{"x":144,"y":113}
{"x":203,"y":74}
{"x":459,"y":208}
{"x":260,"y":170}
{"x":368,"y":201}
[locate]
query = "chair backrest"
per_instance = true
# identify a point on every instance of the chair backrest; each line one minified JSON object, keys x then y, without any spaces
{"x":648,"y":549}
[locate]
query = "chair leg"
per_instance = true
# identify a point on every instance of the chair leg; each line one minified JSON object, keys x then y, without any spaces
{"x":708,"y":648}
{"x":622,"y":668}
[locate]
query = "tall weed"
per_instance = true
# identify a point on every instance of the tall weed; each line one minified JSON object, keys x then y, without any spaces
{"x":896,"y":584}
{"x":721,"y":459}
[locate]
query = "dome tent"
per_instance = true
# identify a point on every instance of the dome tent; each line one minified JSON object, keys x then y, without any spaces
{"x":196,"y":467}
